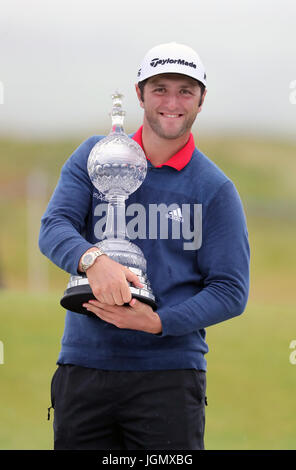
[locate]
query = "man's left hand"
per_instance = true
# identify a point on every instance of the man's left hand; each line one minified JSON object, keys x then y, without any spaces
{"x":135,"y":316}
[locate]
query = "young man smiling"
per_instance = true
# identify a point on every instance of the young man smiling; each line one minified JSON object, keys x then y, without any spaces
{"x":171,"y":103}
{"x":129,"y":377}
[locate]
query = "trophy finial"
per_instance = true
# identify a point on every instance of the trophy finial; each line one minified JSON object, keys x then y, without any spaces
{"x":117,"y":113}
{"x":117,"y":98}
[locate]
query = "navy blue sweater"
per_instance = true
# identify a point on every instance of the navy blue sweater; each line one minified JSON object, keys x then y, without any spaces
{"x":194,"y":288}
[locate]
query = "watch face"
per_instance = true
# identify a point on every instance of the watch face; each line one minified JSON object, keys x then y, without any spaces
{"x":87,"y":258}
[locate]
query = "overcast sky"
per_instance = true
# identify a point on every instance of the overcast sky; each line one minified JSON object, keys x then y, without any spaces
{"x":62,"y":59}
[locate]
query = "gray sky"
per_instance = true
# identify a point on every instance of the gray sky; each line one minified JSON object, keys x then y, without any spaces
{"x":62,"y":59}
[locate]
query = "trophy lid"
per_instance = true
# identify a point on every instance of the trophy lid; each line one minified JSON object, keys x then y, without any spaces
{"x":117,"y":165}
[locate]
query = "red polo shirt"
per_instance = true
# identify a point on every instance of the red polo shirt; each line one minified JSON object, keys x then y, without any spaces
{"x":177,"y":161}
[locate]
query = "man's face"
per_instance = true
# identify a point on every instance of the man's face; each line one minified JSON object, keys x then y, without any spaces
{"x":171,"y":104}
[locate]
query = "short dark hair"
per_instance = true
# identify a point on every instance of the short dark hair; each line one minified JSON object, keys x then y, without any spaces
{"x":141,"y":86}
{"x":143,"y":83}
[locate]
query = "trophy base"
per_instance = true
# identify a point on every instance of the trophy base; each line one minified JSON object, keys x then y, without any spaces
{"x":79,"y":292}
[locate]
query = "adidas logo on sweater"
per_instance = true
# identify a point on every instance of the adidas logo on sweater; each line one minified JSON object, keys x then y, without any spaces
{"x":175,"y":214}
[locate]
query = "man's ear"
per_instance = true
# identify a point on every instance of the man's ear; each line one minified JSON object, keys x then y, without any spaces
{"x":138,"y":91}
{"x":202,"y":98}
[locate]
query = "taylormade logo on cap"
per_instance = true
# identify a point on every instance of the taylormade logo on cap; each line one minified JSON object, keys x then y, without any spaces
{"x":155,"y":62}
{"x":172,"y":58}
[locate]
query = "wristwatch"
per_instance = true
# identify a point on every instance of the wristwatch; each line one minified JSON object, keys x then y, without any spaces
{"x":89,"y":258}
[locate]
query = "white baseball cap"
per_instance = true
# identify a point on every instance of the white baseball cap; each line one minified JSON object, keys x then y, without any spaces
{"x":172,"y":58}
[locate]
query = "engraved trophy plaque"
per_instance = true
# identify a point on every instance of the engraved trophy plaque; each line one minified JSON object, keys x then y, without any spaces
{"x":117,"y":167}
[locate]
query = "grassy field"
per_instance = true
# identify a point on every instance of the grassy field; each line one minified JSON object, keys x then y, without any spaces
{"x":251,"y":382}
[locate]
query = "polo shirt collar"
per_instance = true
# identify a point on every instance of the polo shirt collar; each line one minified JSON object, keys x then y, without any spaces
{"x":177,"y":161}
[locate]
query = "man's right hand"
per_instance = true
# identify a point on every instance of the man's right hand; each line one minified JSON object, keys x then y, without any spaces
{"x":109,"y":281}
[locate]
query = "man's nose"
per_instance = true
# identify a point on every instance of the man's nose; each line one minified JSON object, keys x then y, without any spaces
{"x":171,"y":101}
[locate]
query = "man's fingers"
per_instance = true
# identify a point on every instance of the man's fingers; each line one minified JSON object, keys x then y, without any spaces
{"x":132,"y":277}
{"x":100,"y":298}
{"x":100,"y":311}
{"x":111,"y":314}
{"x":126,"y":293}
{"x":99,"y":307}
{"x":133,"y":303}
{"x":110,"y":298}
{"x":118,"y":297}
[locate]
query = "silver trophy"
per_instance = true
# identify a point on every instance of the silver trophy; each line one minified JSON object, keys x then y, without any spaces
{"x":117,"y":167}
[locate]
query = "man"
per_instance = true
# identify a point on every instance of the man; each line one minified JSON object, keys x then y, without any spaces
{"x":129,"y":377}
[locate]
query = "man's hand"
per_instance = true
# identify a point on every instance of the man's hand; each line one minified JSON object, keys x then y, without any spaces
{"x":109,"y":281}
{"x":135,"y":316}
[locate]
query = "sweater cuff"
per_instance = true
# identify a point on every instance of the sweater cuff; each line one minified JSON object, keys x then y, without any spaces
{"x":165,"y":315}
{"x":76,"y":255}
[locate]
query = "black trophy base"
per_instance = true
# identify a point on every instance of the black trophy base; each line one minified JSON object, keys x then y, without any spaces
{"x":75,"y":297}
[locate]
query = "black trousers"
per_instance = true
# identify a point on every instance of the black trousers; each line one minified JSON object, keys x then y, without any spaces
{"x":128,"y":410}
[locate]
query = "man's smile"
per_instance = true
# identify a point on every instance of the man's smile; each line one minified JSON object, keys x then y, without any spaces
{"x":171,"y":116}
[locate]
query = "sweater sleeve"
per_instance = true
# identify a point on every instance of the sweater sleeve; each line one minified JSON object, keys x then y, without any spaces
{"x":223,"y":260}
{"x":63,"y":223}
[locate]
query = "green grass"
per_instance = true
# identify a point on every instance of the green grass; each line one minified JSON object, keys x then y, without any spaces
{"x":31,"y":330}
{"x":251,"y":382}
{"x":262,"y":169}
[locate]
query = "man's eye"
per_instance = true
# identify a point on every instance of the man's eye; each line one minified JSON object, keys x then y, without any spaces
{"x":159,"y":90}
{"x":185,"y":92}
